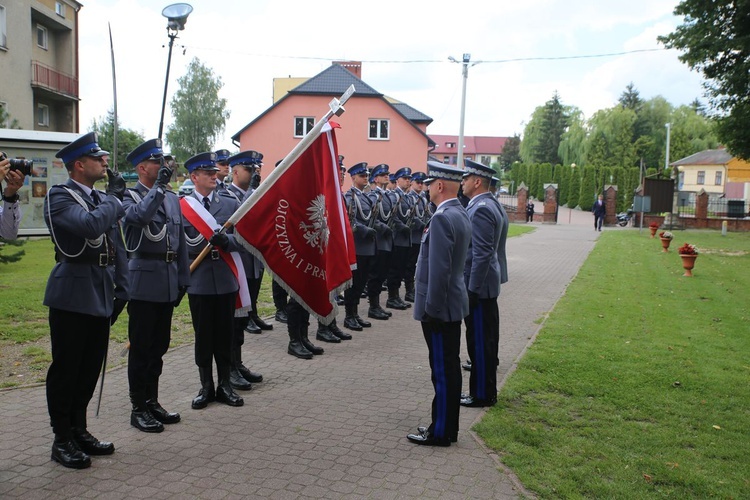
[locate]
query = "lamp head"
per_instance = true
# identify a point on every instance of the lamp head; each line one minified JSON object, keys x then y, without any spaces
{"x":177,"y":15}
{"x":467,"y":57}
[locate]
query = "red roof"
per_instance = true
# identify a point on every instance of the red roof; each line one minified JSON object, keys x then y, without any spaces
{"x":473,"y":144}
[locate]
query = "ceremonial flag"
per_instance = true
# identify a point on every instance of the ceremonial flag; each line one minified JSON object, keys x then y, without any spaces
{"x":298,"y":227}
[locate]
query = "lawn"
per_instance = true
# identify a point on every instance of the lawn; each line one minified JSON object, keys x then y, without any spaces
{"x":637,"y":384}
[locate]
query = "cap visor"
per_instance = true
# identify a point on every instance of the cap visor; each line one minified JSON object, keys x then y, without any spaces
{"x":99,"y":154}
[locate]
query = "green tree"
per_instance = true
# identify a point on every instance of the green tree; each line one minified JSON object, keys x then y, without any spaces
{"x":588,"y":191}
{"x":612,"y":138}
{"x":631,"y":98}
{"x":652,"y":133}
{"x":715,"y":40}
{"x":573,"y":142}
{"x":200,"y":115}
{"x":532,"y":135}
{"x":511,"y":152}
{"x":6,"y":121}
{"x":127,"y":140}
{"x":574,"y":187}
{"x":542,"y":135}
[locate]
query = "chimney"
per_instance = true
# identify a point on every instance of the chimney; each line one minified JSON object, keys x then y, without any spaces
{"x":355,"y":67}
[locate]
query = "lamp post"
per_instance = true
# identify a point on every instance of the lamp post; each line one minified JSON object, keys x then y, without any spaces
{"x":465,"y":72}
{"x":177,"y":15}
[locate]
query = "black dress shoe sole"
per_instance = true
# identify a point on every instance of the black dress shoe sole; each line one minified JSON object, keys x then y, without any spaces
{"x":334,"y":340}
{"x":241,"y":387}
{"x":152,"y":430}
{"x":422,"y":429}
{"x":253,"y":331}
{"x":231,"y":402}
{"x":71,"y":464}
{"x":301,"y":356}
{"x":477,"y":403}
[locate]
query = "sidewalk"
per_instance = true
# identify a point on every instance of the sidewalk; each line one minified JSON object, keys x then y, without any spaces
{"x":331,"y":427}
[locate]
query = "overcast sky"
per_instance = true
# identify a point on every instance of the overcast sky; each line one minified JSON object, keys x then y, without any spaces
{"x":404,"y":47}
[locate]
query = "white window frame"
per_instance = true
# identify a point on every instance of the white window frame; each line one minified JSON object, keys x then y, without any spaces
{"x":307,"y":123}
{"x":42,"y":115}
{"x":3,"y":33}
{"x":60,"y":9}
{"x":379,"y":136}
{"x":701,"y":178}
{"x":45,"y":36}
{"x":718,"y":178}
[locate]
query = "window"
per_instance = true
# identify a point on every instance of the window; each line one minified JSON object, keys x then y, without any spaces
{"x":485,"y":160}
{"x":41,"y":36}
{"x":42,"y":115}
{"x":701,"y":177}
{"x":379,"y":129}
{"x":3,"y":36}
{"x":60,"y":9}
{"x":450,"y":145}
{"x":302,"y":125}
{"x":717,"y":181}
{"x":446,"y":159}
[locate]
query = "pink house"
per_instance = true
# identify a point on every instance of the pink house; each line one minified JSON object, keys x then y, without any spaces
{"x":485,"y":150}
{"x":374,"y":128}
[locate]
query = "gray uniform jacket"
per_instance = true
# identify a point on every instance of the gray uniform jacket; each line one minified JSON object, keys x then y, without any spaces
{"x":253,"y":266}
{"x":147,"y":212}
{"x":439,"y":284}
{"x":401,"y":215}
{"x":359,"y":208}
{"x":10,"y":219}
{"x":384,"y":234}
{"x":501,"y":251}
{"x":212,"y":276}
{"x":79,"y":284}
{"x":419,"y":218}
{"x":482,"y":269}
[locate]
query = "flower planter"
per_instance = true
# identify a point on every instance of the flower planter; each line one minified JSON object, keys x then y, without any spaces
{"x":653,"y":231}
{"x":688,"y":262}
{"x":665,"y":243}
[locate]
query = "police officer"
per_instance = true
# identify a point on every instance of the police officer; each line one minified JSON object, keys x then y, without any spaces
{"x":419,"y":220}
{"x":159,"y":276}
{"x":222,"y":164}
{"x":85,"y":292}
{"x":213,"y":285}
{"x":441,"y":301}
{"x":482,"y":275}
{"x":243,"y":167}
{"x":360,"y":210}
{"x":382,"y":208}
{"x":400,"y":223}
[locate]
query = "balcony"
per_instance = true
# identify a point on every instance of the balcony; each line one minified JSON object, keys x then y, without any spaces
{"x":47,"y":78}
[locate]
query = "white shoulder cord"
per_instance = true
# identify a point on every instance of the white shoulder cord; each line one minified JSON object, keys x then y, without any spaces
{"x":91,"y":243}
{"x":145,"y":230}
{"x":359,"y":208}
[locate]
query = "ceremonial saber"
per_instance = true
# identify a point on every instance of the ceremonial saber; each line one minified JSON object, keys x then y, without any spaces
{"x":114,"y":154}
{"x":336,"y":108}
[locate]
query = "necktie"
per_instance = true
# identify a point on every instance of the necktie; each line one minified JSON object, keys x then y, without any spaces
{"x":95,"y":197}
{"x":206,"y":203}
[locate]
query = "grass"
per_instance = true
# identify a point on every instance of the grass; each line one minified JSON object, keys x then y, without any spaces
{"x":637,"y":384}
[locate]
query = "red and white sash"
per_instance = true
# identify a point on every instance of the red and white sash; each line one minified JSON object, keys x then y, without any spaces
{"x":204,"y":222}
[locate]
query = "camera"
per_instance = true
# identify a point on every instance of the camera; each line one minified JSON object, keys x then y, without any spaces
{"x":20,"y":164}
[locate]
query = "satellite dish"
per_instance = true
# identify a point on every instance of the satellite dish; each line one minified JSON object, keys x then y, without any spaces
{"x":177,"y":14}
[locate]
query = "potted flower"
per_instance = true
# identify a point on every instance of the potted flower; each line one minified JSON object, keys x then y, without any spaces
{"x":653,"y":227}
{"x":666,"y":239}
{"x":688,"y":254}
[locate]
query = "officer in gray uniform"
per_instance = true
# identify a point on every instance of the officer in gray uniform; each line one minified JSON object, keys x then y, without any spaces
{"x":400,"y":222}
{"x":382,"y":208}
{"x":85,"y":292}
{"x":441,"y":302}
{"x":360,"y":211}
{"x":159,"y":276}
{"x":243,"y":167}
{"x":417,"y":223}
{"x":213,"y":286}
{"x":482,"y":275}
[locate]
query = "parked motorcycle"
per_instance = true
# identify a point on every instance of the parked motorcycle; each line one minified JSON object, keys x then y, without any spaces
{"x":624,"y":217}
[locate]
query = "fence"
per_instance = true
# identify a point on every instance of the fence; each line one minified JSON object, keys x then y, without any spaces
{"x":720,"y":208}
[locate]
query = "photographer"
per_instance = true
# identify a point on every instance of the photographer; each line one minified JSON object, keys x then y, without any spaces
{"x":10,"y":212}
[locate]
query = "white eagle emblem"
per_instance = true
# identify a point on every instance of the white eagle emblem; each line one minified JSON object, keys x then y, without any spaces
{"x":316,"y":233}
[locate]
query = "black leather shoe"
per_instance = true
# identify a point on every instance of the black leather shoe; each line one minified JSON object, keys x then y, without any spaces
{"x":237,"y":381}
{"x":472,"y":402}
{"x":261,"y":324}
{"x":316,"y":350}
{"x":395,"y":303}
{"x":340,"y":300}
{"x":325,"y":335}
{"x":387,"y":313}
{"x":67,"y":454}
{"x":162,"y":415}
{"x":228,"y":397}
{"x":351,"y":323}
{"x":466,"y":366}
{"x":334,"y":328}
{"x":144,"y":421}
{"x":363,"y":323}
{"x":377,"y":313}
{"x":423,"y":429}
{"x":409,"y":296}
{"x":204,"y":397}
{"x":252,"y":327}
{"x":280,"y":316}
{"x":427,"y":439}
{"x":90,"y":445}
{"x":249,"y":375}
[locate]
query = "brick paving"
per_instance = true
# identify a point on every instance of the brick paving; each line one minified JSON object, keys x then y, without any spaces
{"x":331,"y":427}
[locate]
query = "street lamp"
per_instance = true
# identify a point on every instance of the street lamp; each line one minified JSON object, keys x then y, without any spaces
{"x":465,"y":72}
{"x":177,"y":15}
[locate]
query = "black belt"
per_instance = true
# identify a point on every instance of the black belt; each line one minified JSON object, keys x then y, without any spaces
{"x":101,"y":259}
{"x":169,"y":256}
{"x":214,"y":254}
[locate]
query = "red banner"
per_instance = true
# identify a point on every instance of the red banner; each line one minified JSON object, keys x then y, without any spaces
{"x":299,"y":228}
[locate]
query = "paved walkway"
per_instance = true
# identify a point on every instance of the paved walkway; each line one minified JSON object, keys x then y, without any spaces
{"x":331,"y":427}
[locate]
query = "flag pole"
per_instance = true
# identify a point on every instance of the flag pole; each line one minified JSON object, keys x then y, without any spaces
{"x":336,"y":108}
